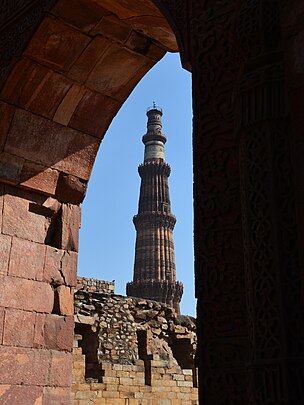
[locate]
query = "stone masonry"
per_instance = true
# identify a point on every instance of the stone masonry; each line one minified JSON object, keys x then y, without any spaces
{"x":131,"y":351}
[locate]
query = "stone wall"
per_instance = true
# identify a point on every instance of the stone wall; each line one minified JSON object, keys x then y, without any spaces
{"x":132,"y":351}
{"x":93,"y":285}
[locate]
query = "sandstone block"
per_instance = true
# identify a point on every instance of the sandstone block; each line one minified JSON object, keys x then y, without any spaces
{"x":117,"y":72}
{"x":61,"y":369}
{"x":1,"y":203}
{"x":6,"y":114}
{"x":60,"y":267}
{"x":5,"y":247}
{"x":67,"y":106}
{"x":35,"y":88}
{"x":18,"y":328}
{"x":110,"y":394}
{"x":84,"y":16}
{"x":10,"y":168}
{"x":64,"y":300}
{"x":113,"y":28}
{"x":1,"y":323}
{"x":24,"y":366}
{"x":70,"y":189}
{"x":16,"y":395}
{"x":38,"y":177}
{"x":28,"y":295}
{"x":55,"y":395}
{"x":90,"y":106}
{"x":184,"y":383}
{"x":110,"y":380}
{"x":49,"y":144}
{"x":56,"y":44}
{"x":27,"y":259}
{"x":18,"y":219}
{"x":88,"y":395}
{"x":54,"y":332}
{"x":87,"y":60}
{"x":70,"y":224}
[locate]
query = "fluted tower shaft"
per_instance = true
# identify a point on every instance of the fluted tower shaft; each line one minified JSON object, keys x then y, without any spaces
{"x":154,"y":268}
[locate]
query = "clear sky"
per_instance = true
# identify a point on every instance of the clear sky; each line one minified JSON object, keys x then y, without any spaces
{"x":107,"y":235}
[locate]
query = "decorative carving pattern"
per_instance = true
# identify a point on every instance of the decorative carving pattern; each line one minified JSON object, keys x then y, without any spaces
{"x":220,"y":287}
{"x":275,"y":311}
{"x":22,"y":18}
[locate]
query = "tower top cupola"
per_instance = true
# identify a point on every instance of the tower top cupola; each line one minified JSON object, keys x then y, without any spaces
{"x":154,"y":139}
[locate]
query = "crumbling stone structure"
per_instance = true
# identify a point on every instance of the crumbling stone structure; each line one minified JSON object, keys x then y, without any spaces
{"x":154,"y":268}
{"x":131,"y":349}
{"x":66,"y":67}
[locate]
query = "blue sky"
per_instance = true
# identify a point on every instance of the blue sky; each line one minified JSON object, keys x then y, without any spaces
{"x":107,"y":235}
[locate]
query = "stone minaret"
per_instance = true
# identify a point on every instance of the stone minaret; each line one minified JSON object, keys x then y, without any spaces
{"x":154,"y":268}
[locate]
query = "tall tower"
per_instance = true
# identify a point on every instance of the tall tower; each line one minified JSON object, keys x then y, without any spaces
{"x":154,"y":268}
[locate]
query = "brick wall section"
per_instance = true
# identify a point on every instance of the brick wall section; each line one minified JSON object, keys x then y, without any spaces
{"x":125,"y":384}
{"x":132,"y":351}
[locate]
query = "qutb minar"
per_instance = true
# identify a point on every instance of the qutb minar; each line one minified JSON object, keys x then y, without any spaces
{"x":154,"y":268}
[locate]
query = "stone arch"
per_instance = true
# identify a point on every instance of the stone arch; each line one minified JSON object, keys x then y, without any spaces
{"x":56,"y":102}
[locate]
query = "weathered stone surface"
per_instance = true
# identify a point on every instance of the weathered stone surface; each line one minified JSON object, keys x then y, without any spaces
{"x":56,"y":44}
{"x":24,"y":366}
{"x":155,"y":27}
{"x":60,"y":267}
{"x":93,"y":285}
{"x":69,"y":227}
{"x":90,"y":106}
{"x":52,"y":145}
{"x":18,"y":394}
{"x":35,"y":88}
{"x":65,"y":300}
{"x":39,"y":178}
{"x":28,"y":295}
{"x":132,"y":328}
{"x":61,"y":369}
{"x":143,"y":45}
{"x":56,"y":395}
{"x":113,"y":28}
{"x":88,"y":59}
{"x":27,"y":259}
{"x":136,"y":357}
{"x":10,"y":168}
{"x":79,"y":13}
{"x":18,"y":328}
{"x":18,"y":220}
{"x":66,"y":108}
{"x":127,"y":9}
{"x":117,"y":72}
{"x":69,"y":267}
{"x":5,"y":247}
{"x":6,"y":114}
{"x":1,"y":203}
{"x":70,"y":189}
{"x":52,"y":267}
{"x":1,"y":323}
{"x":54,"y":332}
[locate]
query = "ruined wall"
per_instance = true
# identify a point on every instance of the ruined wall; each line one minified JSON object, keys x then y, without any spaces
{"x":93,"y":285}
{"x":131,"y":351}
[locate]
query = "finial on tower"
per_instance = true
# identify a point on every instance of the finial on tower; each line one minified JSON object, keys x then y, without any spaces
{"x":154,"y":139}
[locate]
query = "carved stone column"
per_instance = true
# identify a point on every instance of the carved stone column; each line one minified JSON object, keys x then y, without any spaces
{"x":220,"y":289}
{"x":272,"y":272}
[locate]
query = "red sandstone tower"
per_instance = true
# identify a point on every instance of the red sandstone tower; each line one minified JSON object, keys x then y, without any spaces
{"x":154,"y":268}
